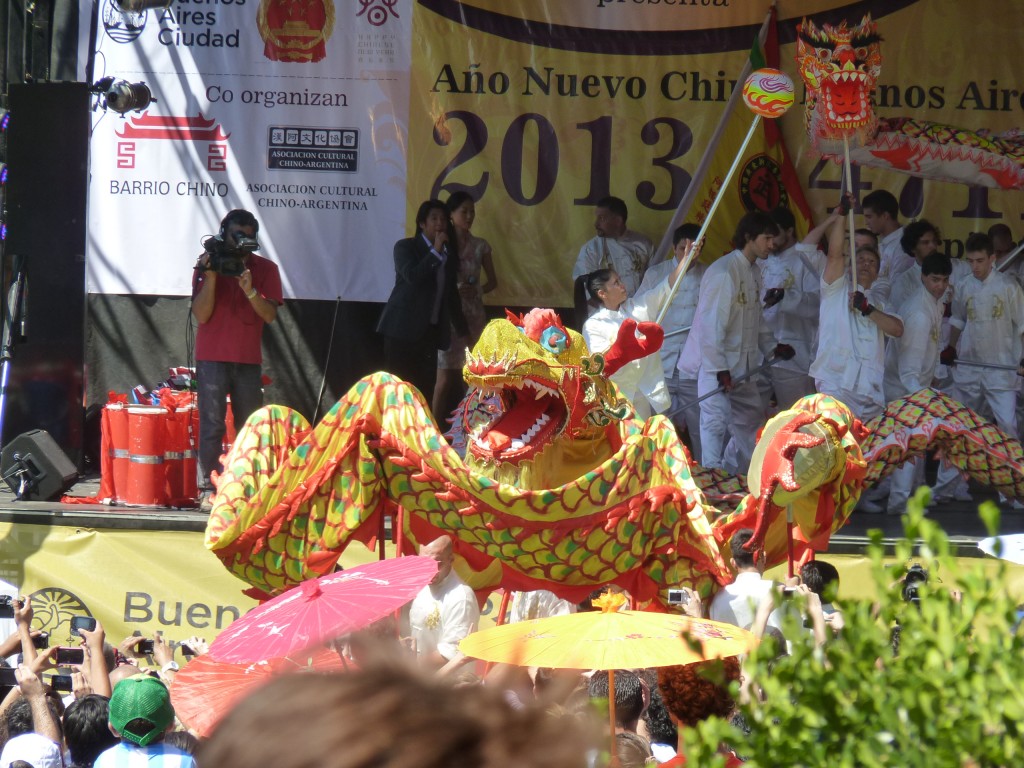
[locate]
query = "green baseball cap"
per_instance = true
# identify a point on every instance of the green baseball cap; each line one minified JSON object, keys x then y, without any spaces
{"x":140,"y":709}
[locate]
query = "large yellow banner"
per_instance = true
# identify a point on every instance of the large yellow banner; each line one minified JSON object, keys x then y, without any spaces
{"x":129,"y":580}
{"x":166,"y":581}
{"x":134,"y":581}
{"x":541,"y":108}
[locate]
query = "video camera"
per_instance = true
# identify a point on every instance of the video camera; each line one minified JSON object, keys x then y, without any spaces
{"x":226,"y":260}
{"x":916,"y":576}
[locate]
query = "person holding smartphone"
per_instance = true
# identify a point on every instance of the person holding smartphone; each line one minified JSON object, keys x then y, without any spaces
{"x":22,"y":609}
{"x":136,"y":646}
{"x":42,"y":744}
{"x":737,"y":603}
{"x":95,"y":668}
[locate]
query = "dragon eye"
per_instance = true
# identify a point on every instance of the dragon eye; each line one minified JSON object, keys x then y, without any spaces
{"x":825,"y":54}
{"x":554,"y":340}
{"x":862,"y":53}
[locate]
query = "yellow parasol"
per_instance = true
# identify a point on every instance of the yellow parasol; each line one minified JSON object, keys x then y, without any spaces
{"x":608,"y":639}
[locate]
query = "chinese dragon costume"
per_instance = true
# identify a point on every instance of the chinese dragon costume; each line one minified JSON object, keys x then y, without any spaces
{"x":561,"y":488}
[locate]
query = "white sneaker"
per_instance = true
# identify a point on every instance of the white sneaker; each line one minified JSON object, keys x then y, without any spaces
{"x":206,"y":502}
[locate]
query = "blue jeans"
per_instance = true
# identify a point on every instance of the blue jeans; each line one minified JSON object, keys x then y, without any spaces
{"x":216,"y":381}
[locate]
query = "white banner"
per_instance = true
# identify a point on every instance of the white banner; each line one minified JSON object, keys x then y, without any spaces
{"x":294,"y":110}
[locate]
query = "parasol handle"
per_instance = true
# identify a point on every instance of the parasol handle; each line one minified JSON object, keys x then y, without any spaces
{"x":506,"y":594}
{"x":711,"y":213}
{"x":849,"y":215}
{"x":399,"y":522}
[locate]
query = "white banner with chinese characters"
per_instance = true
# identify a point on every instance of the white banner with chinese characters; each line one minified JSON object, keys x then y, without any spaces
{"x":296,"y":110}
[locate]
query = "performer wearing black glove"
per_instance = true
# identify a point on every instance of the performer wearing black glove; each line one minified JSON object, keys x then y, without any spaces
{"x":859,"y":302}
{"x":986,"y":326}
{"x":850,"y":362}
{"x":886,"y":323}
{"x":773,"y":296}
{"x":784,"y":352}
{"x":732,"y":340}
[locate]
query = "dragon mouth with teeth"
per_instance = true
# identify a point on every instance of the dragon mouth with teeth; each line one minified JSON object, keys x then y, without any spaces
{"x":530,"y":414}
{"x":531,"y":386}
{"x":840,"y":66}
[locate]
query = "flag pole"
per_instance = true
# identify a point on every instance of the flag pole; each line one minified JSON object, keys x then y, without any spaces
{"x":697,"y":180}
{"x":849,"y":215}
{"x":711,"y":212}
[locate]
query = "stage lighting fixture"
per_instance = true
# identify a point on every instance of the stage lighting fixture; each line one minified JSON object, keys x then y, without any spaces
{"x":3,"y":174}
{"x":138,"y":6}
{"x":5,"y":119}
{"x":122,"y":96}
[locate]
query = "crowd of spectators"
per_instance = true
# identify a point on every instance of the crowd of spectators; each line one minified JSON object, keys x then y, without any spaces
{"x":112,"y":706}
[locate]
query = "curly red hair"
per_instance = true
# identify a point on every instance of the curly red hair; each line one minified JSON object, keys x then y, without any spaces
{"x":691,"y":693}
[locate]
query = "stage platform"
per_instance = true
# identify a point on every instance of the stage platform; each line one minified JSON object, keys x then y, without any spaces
{"x":959,"y":519}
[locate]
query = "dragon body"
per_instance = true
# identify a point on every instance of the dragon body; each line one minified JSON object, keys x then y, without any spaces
{"x":561,"y":488}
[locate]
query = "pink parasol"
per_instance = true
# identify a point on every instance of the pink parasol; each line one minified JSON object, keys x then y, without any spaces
{"x":324,"y":608}
{"x":205,"y":690}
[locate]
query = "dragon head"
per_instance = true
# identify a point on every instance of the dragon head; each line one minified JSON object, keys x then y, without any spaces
{"x":840,"y":66}
{"x":546,"y":385}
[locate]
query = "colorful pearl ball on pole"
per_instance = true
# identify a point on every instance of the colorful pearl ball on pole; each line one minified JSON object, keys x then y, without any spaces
{"x":769,"y":92}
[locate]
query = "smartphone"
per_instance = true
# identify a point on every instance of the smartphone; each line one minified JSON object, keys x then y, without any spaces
{"x":7,"y":676}
{"x":788,"y":592}
{"x":145,"y":648}
{"x":186,"y":650}
{"x":678,"y":597}
{"x":41,"y":641}
{"x":61,"y":683}
{"x":88,"y":623}
{"x":70,"y":656}
{"x":6,"y":607}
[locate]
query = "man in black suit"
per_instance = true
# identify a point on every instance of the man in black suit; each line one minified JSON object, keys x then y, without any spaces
{"x":424,"y":304}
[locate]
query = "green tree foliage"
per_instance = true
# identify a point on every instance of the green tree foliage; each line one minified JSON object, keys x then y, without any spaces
{"x":952,"y":695}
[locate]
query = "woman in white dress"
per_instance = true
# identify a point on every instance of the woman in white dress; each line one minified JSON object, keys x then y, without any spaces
{"x":641,"y":381}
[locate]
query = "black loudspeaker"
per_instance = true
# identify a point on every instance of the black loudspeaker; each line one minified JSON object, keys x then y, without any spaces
{"x":48,"y":165}
{"x":35,"y":467}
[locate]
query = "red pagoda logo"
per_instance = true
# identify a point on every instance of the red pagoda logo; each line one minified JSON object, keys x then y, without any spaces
{"x":196,"y":130}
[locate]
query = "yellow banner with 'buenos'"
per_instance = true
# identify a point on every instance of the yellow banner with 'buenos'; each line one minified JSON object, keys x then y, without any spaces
{"x":143,"y":581}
